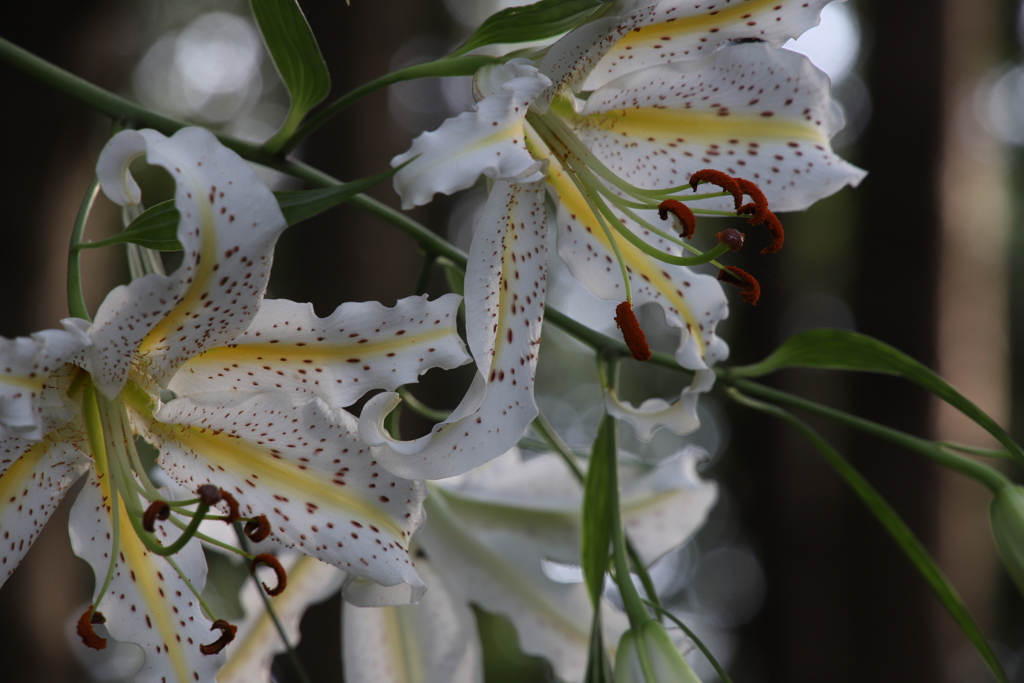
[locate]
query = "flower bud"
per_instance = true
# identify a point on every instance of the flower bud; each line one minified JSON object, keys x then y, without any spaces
{"x":651,"y":644}
{"x":1007,"y":515}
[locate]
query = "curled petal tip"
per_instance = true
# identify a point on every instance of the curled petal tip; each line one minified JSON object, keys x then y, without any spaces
{"x":750,"y":289}
{"x":632,"y":334}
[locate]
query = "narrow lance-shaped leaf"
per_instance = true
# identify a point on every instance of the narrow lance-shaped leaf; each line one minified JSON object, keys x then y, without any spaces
{"x":846,"y":350}
{"x":597,"y":511}
{"x":541,"y":20}
{"x":911,"y":546}
{"x":156,"y":228}
{"x":296,"y":55}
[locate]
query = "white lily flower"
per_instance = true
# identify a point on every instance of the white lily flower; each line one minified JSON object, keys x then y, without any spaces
{"x":491,"y":534}
{"x":258,"y":413}
{"x":676,"y":94}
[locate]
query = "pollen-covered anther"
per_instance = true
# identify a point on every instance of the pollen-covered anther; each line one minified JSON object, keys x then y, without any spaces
{"x":209,"y":495}
{"x":270,"y":561}
{"x":750,"y":289}
{"x":257,"y":529}
{"x":227,"y":634}
{"x":722,"y":180}
{"x":687,"y":221}
{"x":632,"y":334}
{"x":778,"y":234}
{"x":232,"y":506}
{"x":758,"y":209}
{"x":85,"y":631}
{"x":732,"y":238}
{"x":158,"y":509}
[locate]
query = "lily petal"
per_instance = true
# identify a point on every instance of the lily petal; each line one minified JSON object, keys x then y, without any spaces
{"x":26,"y":364}
{"x":435,"y":640}
{"x":358,"y":348}
{"x":506,"y":283}
{"x":679,"y":417}
{"x":488,"y":141}
{"x":34,"y":478}
{"x":303,"y":466}
{"x":769,"y":120}
{"x":664,"y":506}
{"x":502,"y":572}
{"x":252,"y":651}
{"x":146,"y":602}
{"x":691,"y":302}
{"x":229,"y":224}
{"x":673,"y":31}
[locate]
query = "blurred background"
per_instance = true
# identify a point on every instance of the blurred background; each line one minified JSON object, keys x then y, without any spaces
{"x":792,"y":580}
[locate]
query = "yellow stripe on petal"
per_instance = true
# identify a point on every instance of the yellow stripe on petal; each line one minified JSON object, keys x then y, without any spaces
{"x":669,"y":125}
{"x":661,"y":34}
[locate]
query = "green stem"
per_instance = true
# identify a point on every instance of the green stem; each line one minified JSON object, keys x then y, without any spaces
{"x":980,"y":472}
{"x":719,"y":669}
{"x":446,"y":66}
{"x":76,"y":299}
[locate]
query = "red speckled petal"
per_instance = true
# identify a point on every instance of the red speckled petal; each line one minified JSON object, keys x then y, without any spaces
{"x":750,"y":110}
{"x":303,"y":466}
{"x":147,"y":602}
{"x":506,"y":283}
{"x":358,"y":348}
{"x":229,"y":224}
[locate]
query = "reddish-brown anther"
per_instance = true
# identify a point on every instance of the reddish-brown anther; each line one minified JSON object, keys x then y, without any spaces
{"x":227,"y":634}
{"x":722,"y":180}
{"x":758,"y":209}
{"x":732,"y":238}
{"x":257,"y":529}
{"x":232,"y":506}
{"x":631,"y":332}
{"x":208,"y":495}
{"x":270,"y":561}
{"x":778,"y":234}
{"x":750,"y":289}
{"x":158,"y":509}
{"x":85,"y":632}
{"x":682,"y":212}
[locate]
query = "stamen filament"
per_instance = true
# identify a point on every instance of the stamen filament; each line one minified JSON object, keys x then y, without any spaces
{"x":202,"y":603}
{"x":211,"y":540}
{"x":94,"y":429}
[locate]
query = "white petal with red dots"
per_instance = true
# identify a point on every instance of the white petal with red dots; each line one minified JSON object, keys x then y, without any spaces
{"x":437,"y":639}
{"x":229,"y":224}
{"x":749,"y":110}
{"x":257,"y":641}
{"x":34,"y":477}
{"x":488,"y":141}
{"x":505,"y":288}
{"x":358,"y":348}
{"x":146,"y":602}
{"x":26,"y":364}
{"x":679,"y":417}
{"x":303,"y":466}
{"x":673,"y":31}
{"x":691,"y":302}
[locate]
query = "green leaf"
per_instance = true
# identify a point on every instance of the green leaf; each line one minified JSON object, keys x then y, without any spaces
{"x":298,"y":206}
{"x":598,"y":502}
{"x":293,"y":48}
{"x":846,"y":350}
{"x":539,"y":21}
{"x":897,"y":528}
{"x":156,"y":228}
